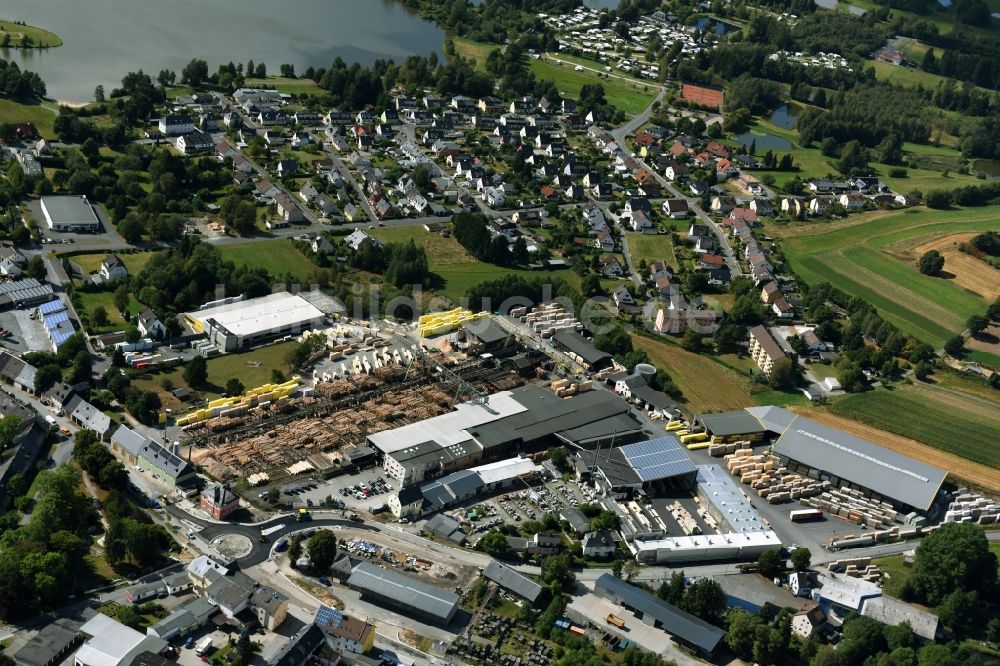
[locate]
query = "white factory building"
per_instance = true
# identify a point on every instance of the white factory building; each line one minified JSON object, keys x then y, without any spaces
{"x":743,"y":534}
{"x":234,"y":324}
{"x":70,"y":213}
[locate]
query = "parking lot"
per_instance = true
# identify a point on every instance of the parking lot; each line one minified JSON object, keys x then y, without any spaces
{"x":26,"y":334}
{"x":342,"y":488}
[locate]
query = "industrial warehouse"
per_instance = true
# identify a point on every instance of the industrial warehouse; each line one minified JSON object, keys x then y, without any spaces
{"x":235,"y":324}
{"x":404,"y":592}
{"x":527,"y":418}
{"x":823,"y":454}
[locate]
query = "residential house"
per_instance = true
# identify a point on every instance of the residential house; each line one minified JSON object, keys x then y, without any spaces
{"x":610,"y":266}
{"x":225,"y":150}
{"x":762,"y":207}
{"x":287,"y":209}
{"x":721,"y":205}
{"x":306,"y":118}
{"x":821,"y":206}
{"x":800,"y":584}
{"x":808,"y":621}
{"x":770,"y":293}
{"x":782,"y":308}
{"x":287,"y":168}
{"x":175,"y":125}
{"x":792,"y":206}
{"x":604,"y":240}
{"x":357,"y":237}
{"x":764,"y":349}
{"x":308,"y":192}
{"x":599,"y":545}
{"x":677,"y":172}
{"x":195,"y":143}
{"x":149,"y":325}
{"x":602,"y":191}
{"x":219,"y":501}
{"x":852,"y":201}
{"x":709,"y":261}
{"x":267,"y":189}
{"x":300,"y":140}
{"x":242,"y":165}
{"x":345,"y":633}
{"x":659,"y":269}
{"x":622,"y":297}
{"x":676,"y":208}
{"x":820,"y":186}
{"x":113,"y":268}
{"x":696,"y":231}
{"x":750,"y":184}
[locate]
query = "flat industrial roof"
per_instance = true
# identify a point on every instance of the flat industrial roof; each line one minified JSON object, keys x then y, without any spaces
{"x":277,"y":312}
{"x":407,"y":591}
{"x":723,"y":424}
{"x":69,"y":210}
{"x":890,"y":474}
{"x":728,"y":500}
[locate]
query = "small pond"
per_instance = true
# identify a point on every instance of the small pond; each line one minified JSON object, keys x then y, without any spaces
{"x":991,"y":168}
{"x":763,"y":141}
{"x":718,"y":26}
{"x":784,"y":116}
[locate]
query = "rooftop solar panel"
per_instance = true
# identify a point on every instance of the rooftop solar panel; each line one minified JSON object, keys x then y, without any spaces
{"x":658,"y":458}
{"x":326,"y":615}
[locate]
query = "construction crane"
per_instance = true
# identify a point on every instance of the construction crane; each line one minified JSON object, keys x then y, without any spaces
{"x":462,"y":387}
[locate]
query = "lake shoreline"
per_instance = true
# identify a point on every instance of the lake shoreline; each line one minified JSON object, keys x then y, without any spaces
{"x":40,"y":37}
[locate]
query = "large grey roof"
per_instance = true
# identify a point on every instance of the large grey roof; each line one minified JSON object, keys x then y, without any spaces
{"x":659,"y":458}
{"x":406,"y":591}
{"x":511,"y":580}
{"x":578,"y":345}
{"x":486,"y":330}
{"x":739,"y":422}
{"x":48,"y":643}
{"x":890,"y":474}
{"x":684,"y":626}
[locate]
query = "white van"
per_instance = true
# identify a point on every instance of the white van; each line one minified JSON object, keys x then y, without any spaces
{"x":204,"y":645}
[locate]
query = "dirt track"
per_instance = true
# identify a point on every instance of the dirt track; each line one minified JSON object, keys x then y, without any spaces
{"x":959,"y":469}
{"x":970,"y":273}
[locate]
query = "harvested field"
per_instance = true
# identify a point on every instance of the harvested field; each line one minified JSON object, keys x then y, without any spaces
{"x":708,"y":386}
{"x":969,"y":273}
{"x":986,"y":342}
{"x":959,"y":469}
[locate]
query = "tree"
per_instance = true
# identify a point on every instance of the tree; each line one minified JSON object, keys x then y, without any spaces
{"x":922,"y":370}
{"x":36,"y":268}
{"x":99,"y":93}
{"x":295,"y":550}
{"x":556,"y":572}
{"x":769,"y":563}
{"x":930,"y":262}
{"x":783,"y":374}
{"x":801,"y":557}
{"x":10,"y":426}
{"x":99,"y":316}
{"x":705,"y":599}
{"x":691,"y":341}
{"x":494,"y":544}
{"x":956,"y":556}
{"x":976,"y":324}
{"x":322,"y":550}
{"x":122,"y":298}
{"x":234,"y":387}
{"x":960,"y":610}
{"x":194,"y":73}
{"x":47,"y":376}
{"x":196,"y":372}
{"x":954,"y":346}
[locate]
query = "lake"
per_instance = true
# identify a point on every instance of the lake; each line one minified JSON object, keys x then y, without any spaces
{"x":784,"y":117}
{"x":763,"y":141}
{"x":104,"y":39}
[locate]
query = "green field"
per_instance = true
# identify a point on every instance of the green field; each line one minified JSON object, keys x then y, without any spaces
{"x":852,"y":257}
{"x":652,"y":247}
{"x":39,"y":38}
{"x":253,"y":368}
{"x":41,"y":116}
{"x":904,"y":76}
{"x":91,"y":300}
{"x":459,"y":270}
{"x":895,"y":571}
{"x":91,"y":263}
{"x":708,"y":386}
{"x":952,"y":421}
{"x":286,"y":85}
{"x":278,"y":257}
{"x":472,"y":50}
{"x":631,"y":96}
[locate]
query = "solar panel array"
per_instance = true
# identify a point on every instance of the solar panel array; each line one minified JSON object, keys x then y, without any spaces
{"x":329,"y":616}
{"x":658,"y":459}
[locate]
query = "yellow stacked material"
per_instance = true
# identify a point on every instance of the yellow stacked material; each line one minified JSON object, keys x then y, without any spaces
{"x":698,"y":446}
{"x":695,"y":437}
{"x":439,"y":323}
{"x":682,"y":432}
{"x":239,"y":405}
{"x":675,"y":425}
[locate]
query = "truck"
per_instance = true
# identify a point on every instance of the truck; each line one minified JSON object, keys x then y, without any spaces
{"x":616,"y":621}
{"x":805,"y":515}
{"x":204,"y":645}
{"x":303,"y":515}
